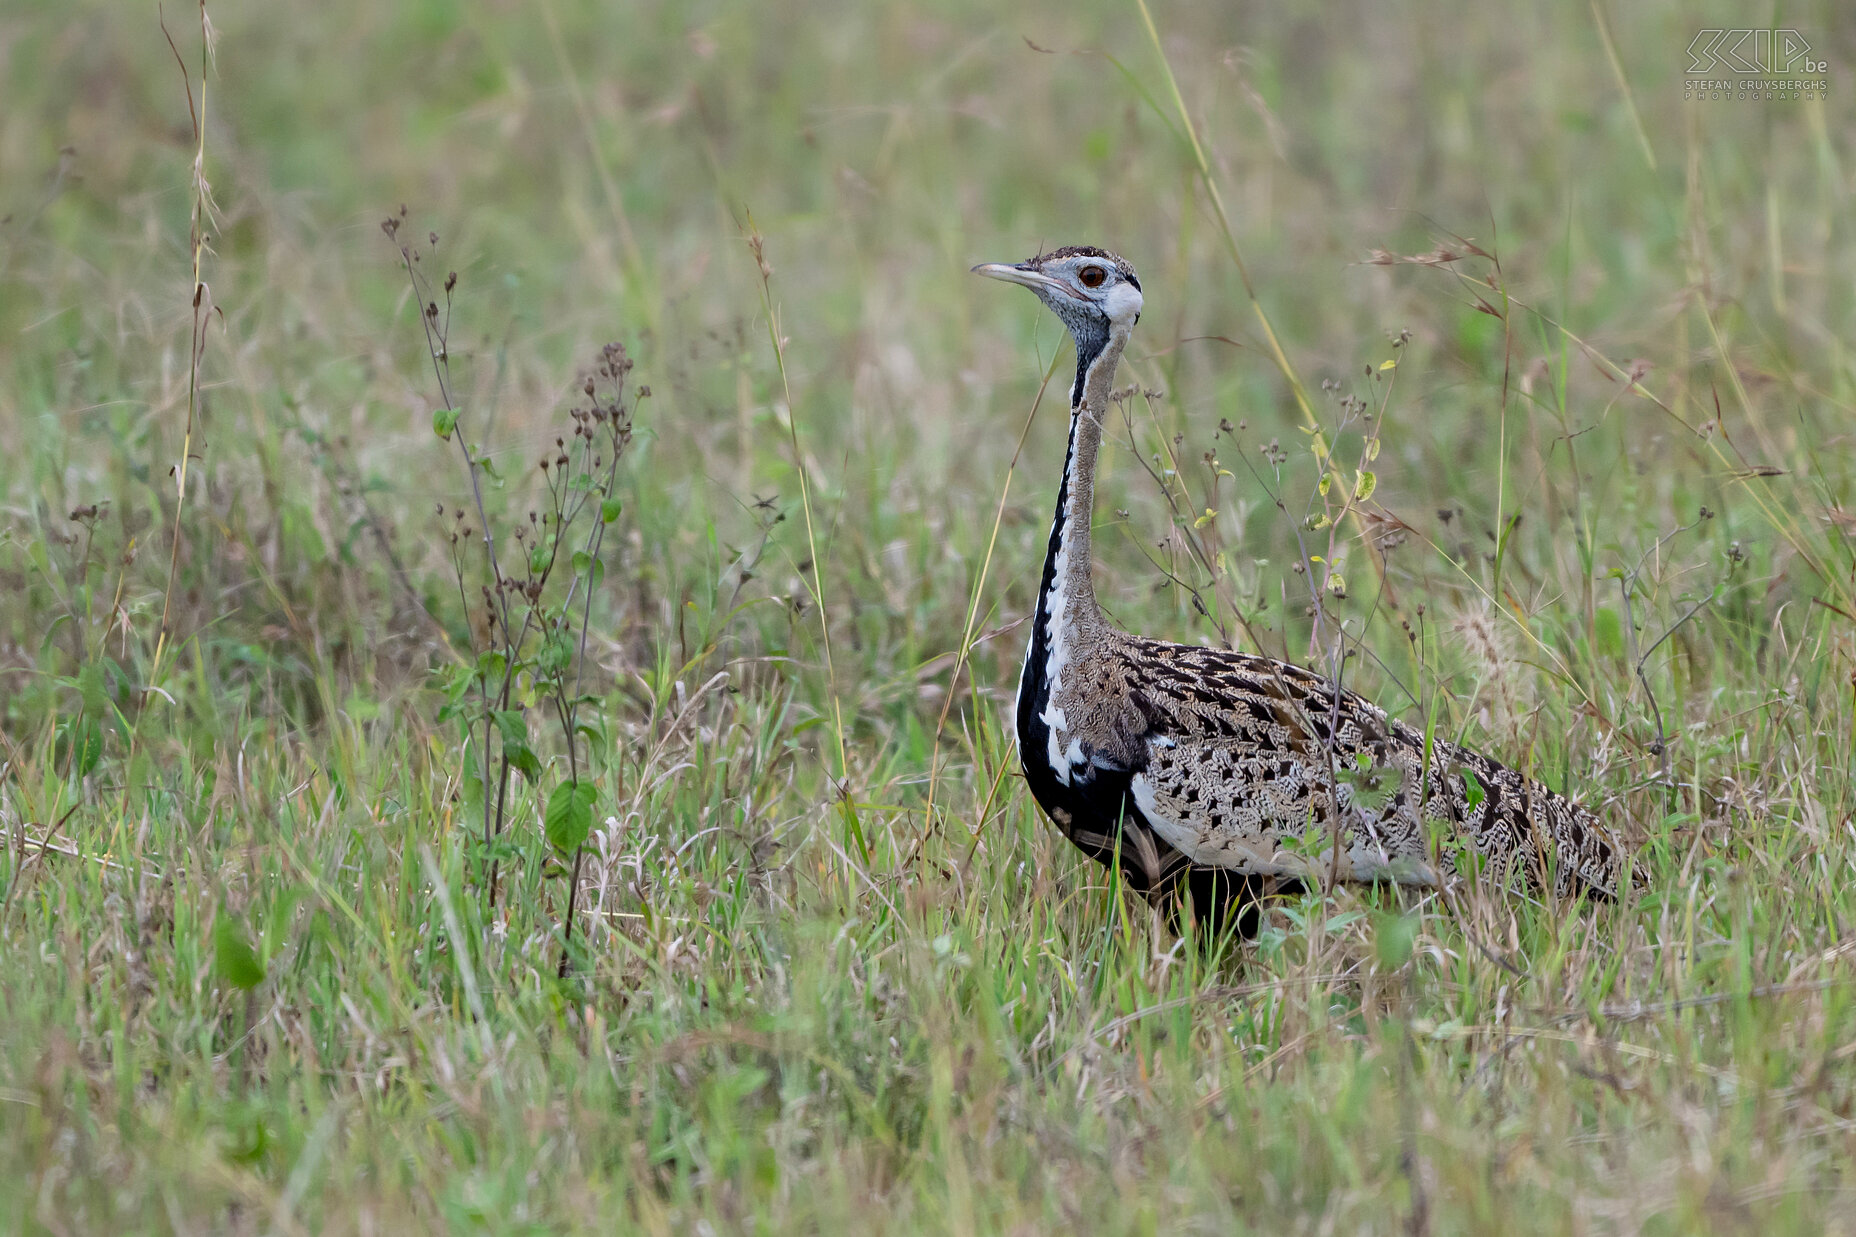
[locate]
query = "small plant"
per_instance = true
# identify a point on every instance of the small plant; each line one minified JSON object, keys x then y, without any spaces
{"x":532,"y":605}
{"x":1337,"y":514}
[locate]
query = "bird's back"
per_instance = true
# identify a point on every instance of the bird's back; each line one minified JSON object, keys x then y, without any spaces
{"x":1258,"y":767}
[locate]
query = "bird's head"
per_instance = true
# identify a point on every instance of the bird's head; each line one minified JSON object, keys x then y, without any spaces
{"x":1078,"y":282}
{"x":1095,"y":293}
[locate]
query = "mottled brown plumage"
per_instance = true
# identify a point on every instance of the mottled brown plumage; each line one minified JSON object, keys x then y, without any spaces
{"x":1217,"y":769}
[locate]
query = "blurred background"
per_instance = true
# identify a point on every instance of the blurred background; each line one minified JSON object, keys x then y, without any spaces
{"x":592,"y":173}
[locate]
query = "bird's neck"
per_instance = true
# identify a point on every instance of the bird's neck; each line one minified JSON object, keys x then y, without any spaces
{"x":1069,"y":590}
{"x":1067,"y":612}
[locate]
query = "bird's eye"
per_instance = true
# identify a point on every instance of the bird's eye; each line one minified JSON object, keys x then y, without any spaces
{"x":1093,"y":276}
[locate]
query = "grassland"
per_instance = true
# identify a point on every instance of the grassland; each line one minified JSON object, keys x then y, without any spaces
{"x":831,"y":971}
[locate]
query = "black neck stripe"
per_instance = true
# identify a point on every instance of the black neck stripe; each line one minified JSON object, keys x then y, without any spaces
{"x":1091,"y":339}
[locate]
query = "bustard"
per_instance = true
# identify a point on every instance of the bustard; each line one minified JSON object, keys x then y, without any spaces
{"x":1222,"y":771}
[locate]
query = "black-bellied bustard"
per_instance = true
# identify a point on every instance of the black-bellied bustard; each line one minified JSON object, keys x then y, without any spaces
{"x":1217,"y":769}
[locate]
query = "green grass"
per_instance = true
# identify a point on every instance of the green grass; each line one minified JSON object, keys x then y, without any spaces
{"x":835,"y":972}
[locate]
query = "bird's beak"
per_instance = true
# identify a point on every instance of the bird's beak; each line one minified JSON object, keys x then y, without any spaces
{"x":1022,"y":274}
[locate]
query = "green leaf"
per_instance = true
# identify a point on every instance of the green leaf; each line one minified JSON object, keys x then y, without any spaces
{"x":540,"y":555}
{"x":250,"y":1141}
{"x":555,"y":656}
{"x":1394,"y":937}
{"x":472,"y":786}
{"x":79,"y":741}
{"x":609,"y":510}
{"x":1364,"y":487}
{"x":235,"y":963}
{"x":444,"y":420}
{"x":90,"y":683}
{"x":51,"y":628}
{"x":1609,"y":629}
{"x":568,"y":817}
{"x":514,"y":730}
{"x":511,"y":725}
{"x":503,"y":848}
{"x":1474,"y":789}
{"x":1370,"y":786}
{"x":522,"y":759}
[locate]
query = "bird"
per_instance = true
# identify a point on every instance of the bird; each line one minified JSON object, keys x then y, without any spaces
{"x":1213,"y":776}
